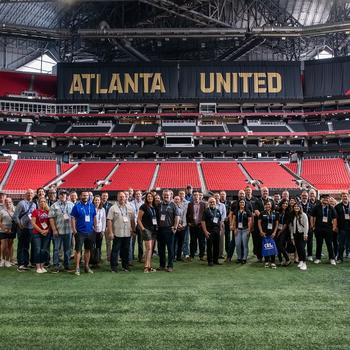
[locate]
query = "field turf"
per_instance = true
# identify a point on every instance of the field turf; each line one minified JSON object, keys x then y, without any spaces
{"x":195,"y":307}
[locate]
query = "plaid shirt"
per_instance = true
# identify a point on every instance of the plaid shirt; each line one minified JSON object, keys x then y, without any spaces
{"x":57,"y":212}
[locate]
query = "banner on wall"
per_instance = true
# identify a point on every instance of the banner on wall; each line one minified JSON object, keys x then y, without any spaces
{"x":327,"y":78}
{"x":100,"y":83}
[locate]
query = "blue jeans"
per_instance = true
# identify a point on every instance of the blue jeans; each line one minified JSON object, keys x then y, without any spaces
{"x":165,"y":239}
{"x":343,"y":239}
{"x":241,"y":239}
{"x":40,"y":248}
{"x":186,"y":244}
{"x":23,"y":243}
{"x":64,"y":240}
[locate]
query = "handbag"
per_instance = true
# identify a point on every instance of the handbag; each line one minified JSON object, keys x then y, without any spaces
{"x":269,"y":247}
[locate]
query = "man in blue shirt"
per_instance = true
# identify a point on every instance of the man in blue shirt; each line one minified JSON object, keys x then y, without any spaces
{"x":83,"y":223}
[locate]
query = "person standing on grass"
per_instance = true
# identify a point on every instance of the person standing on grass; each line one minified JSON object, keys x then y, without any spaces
{"x":120,"y":226}
{"x":83,"y":223}
{"x":299,"y":229}
{"x":181,"y":228}
{"x":282,"y":235}
{"x":41,"y":235}
{"x":23,"y":218}
{"x":268,"y":223}
{"x":99,"y":228}
{"x":135,"y":205}
{"x":222,"y":208}
{"x":308,"y":205}
{"x":259,"y":206}
{"x":324,"y":222}
{"x":241,"y":226}
{"x":168,"y":220}
{"x":212,"y":225}
{"x":61,"y":226}
{"x":147,"y":222}
{"x":227,"y":232}
{"x":343,"y":224}
{"x":194,"y":216}
{"x":107,"y":205}
{"x":6,"y":234}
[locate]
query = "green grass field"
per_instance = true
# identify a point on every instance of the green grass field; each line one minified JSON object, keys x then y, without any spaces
{"x":195,"y":307}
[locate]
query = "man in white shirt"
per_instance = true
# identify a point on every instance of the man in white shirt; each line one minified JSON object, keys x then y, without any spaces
{"x":121,"y":226}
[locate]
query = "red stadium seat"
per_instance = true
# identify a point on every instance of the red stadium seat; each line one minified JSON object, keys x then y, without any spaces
{"x":30,"y":174}
{"x":134,"y":175}
{"x":65,"y":167}
{"x":271,"y":174}
{"x":3,"y":168}
{"x":223,"y":176}
{"x":326,"y":174}
{"x":86,"y":175}
{"x":178,"y":175}
{"x":292,"y":167}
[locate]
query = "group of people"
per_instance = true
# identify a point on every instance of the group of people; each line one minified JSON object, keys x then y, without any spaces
{"x":182,"y":225}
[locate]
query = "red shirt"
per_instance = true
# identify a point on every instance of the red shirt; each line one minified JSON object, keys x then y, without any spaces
{"x":41,"y":219}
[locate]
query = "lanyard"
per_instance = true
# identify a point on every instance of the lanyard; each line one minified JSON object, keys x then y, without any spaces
{"x":346,"y":210}
{"x":83,"y":209}
{"x":240,"y":216}
{"x":161,"y":208}
{"x":64,"y":207}
{"x":153,"y":212}
{"x":121,"y":211}
{"x":325,"y":210}
{"x":282,"y":219}
{"x":215,"y":211}
{"x":270,"y":217}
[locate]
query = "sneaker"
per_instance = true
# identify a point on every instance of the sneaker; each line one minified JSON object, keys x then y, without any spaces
{"x":22,"y":268}
{"x":56,"y":270}
{"x":77,"y":272}
{"x":267,"y":265}
{"x":43,"y":270}
{"x":169,"y":269}
{"x":332,"y":261}
{"x":151,"y":269}
{"x":88,"y":270}
{"x":273,"y":266}
{"x":2,"y":263}
{"x":301,"y":263}
{"x":39,"y":271}
{"x":7,"y":264}
{"x":310,"y":258}
{"x":317,"y":261}
{"x":303,"y":267}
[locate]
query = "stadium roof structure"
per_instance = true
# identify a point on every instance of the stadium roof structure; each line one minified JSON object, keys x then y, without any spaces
{"x":160,"y":30}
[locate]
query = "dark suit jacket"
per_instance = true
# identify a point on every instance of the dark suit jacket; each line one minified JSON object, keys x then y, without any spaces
{"x":190,"y":213}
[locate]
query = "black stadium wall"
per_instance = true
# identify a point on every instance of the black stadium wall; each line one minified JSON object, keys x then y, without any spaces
{"x":207,"y":82}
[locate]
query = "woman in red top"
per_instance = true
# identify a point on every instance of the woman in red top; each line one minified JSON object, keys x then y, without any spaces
{"x":41,"y":235}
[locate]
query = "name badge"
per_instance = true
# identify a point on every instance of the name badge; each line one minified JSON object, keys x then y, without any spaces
{"x":30,"y":216}
{"x":125,"y":219}
{"x":269,"y":226}
{"x":87,"y":218}
{"x":240,"y":225}
{"x":280,"y":226}
{"x":162,"y":217}
{"x":215,"y":220}
{"x":154,"y":221}
{"x":44,"y":225}
{"x":347,"y":216}
{"x":325,"y":219}
{"x":66,"y":216}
